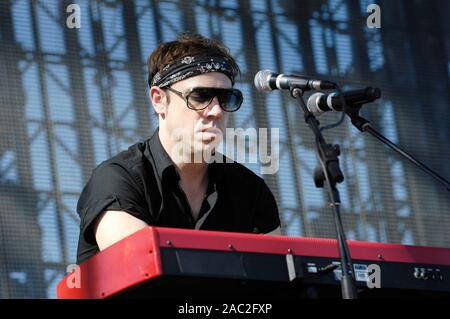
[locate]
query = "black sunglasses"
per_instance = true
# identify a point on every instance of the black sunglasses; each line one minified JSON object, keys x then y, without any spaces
{"x":198,"y":98}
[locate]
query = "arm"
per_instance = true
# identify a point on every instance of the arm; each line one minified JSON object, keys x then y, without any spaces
{"x":114,"y":225}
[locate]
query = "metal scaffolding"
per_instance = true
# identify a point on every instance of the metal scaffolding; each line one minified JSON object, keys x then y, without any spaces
{"x":71,"y":98}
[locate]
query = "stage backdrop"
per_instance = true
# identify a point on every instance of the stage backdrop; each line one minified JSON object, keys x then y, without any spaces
{"x":71,"y":98}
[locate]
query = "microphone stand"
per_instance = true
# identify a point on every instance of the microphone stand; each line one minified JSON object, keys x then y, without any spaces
{"x":330,"y":173}
{"x":364,"y":126}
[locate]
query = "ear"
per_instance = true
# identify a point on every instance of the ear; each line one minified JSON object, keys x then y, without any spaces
{"x":159,"y":100}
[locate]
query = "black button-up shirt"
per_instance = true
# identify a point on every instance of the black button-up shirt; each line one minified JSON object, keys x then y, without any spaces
{"x":144,"y":182}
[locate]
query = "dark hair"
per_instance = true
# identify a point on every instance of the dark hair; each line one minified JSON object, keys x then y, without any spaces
{"x":186,"y":44}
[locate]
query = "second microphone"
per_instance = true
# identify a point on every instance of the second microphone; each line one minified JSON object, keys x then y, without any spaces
{"x":319,"y":103}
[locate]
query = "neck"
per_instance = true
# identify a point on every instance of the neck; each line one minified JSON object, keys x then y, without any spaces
{"x":193,"y":175}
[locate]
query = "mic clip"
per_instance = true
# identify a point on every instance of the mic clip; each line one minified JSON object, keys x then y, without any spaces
{"x":331,"y":162}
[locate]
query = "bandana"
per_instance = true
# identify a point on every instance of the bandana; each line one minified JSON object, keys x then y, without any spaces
{"x":191,"y":66}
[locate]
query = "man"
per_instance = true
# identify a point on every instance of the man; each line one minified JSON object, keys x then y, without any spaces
{"x":161,"y":181}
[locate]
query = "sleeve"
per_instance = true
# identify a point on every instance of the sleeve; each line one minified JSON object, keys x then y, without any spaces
{"x":111,"y":187}
{"x":267,"y":217}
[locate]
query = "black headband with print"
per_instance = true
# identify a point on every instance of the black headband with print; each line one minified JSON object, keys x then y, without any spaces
{"x":191,"y":66}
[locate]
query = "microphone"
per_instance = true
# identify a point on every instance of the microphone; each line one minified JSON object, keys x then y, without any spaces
{"x":319,"y":103}
{"x":267,"y":80}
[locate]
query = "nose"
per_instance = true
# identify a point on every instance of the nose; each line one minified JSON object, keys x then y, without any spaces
{"x":214,"y":110}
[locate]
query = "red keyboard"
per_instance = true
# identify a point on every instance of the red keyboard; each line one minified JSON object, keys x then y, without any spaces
{"x":167,"y":262}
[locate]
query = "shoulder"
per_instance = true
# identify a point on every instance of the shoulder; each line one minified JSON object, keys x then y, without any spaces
{"x":127,"y":161}
{"x":129,"y":158}
{"x":127,"y":168}
{"x":120,"y":176}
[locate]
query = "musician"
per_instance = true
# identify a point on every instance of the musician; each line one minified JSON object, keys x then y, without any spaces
{"x":166,"y":181}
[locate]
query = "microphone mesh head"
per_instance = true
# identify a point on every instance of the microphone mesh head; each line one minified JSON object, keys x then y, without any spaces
{"x":262,"y":80}
{"x":313,"y":103}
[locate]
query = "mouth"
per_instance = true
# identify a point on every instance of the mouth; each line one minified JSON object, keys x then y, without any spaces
{"x":209,"y":128}
{"x":210,"y":134}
